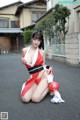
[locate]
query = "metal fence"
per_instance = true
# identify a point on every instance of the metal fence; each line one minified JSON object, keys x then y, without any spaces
{"x":58,"y":49}
{"x":46,"y":47}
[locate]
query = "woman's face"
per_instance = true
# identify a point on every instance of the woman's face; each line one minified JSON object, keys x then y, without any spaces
{"x":36,"y":43}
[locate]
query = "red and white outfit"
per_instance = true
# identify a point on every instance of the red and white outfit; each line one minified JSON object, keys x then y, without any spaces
{"x":37,"y":61}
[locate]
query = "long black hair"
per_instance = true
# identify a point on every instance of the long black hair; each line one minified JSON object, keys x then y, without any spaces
{"x":39,"y":35}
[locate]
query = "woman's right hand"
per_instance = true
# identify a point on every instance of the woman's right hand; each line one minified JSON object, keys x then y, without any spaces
{"x":23,"y":60}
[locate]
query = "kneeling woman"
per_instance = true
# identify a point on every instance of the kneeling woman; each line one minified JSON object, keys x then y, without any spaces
{"x":33,"y":57}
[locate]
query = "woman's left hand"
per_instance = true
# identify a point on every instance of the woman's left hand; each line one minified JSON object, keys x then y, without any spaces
{"x":50,"y":70}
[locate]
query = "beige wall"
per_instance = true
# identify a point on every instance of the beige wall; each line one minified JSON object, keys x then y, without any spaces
{"x":11,"y":17}
{"x":9,"y":10}
{"x":25,"y":18}
{"x":9,"y":13}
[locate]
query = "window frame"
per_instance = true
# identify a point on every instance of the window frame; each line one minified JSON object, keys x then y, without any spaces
{"x":38,"y":15}
{"x":5,"y":23}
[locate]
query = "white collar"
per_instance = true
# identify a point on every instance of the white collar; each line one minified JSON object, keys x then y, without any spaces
{"x":34,"y":57}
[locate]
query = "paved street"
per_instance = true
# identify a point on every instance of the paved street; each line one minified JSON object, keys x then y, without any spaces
{"x":12,"y":75}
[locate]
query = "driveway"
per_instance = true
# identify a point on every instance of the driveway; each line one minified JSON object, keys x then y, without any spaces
{"x":12,"y":75}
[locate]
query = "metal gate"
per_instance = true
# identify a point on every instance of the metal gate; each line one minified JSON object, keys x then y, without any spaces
{"x":59,"y":49}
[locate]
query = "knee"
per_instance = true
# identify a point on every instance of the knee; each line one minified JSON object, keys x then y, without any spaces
{"x":25,"y":99}
{"x":35,"y":98}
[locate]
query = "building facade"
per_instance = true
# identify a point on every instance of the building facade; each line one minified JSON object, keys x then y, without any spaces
{"x":30,"y":12}
{"x":70,"y":51}
{"x":10,"y":33}
{"x":74,"y":6}
{"x":17,"y":17}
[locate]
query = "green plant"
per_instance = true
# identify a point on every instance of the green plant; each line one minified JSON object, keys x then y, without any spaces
{"x":61,"y":16}
{"x":55,"y":22}
{"x":27,"y":36}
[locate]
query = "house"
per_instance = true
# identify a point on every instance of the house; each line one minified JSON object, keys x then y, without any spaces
{"x":10,"y":33}
{"x":16,"y":17}
{"x":30,"y":12}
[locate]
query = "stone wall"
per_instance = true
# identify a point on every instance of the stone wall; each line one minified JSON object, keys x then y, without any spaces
{"x":72,"y":48}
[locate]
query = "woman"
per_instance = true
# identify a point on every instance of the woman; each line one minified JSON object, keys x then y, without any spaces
{"x":33,"y":57}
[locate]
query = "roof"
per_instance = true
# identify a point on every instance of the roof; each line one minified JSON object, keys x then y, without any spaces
{"x":77,"y":7}
{"x":10,"y":30}
{"x":31,"y":2}
{"x":28,"y":27}
{"x":18,"y":2}
{"x":21,"y":6}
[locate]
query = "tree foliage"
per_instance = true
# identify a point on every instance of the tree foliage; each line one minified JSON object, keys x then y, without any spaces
{"x":57,"y":18}
{"x":61,"y":14}
{"x":27,"y":36}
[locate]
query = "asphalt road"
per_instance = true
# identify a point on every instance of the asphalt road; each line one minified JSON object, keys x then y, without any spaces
{"x":12,"y":75}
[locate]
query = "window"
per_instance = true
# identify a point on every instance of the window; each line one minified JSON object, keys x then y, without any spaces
{"x":36,"y":16}
{"x":4,"y":23}
{"x":14,"y":24}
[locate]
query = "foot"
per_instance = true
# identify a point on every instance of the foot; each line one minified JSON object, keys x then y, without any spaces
{"x":51,"y":93}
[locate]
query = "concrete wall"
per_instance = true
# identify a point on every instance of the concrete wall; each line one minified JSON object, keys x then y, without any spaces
{"x":72,"y":48}
{"x":51,"y":56}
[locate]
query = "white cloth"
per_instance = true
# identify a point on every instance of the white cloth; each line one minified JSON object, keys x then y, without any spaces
{"x":50,"y":78}
{"x":23,"y":87}
{"x":57,"y":98}
{"x":34,"y":57}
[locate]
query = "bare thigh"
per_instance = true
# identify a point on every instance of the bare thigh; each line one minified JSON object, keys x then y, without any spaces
{"x":28,"y":94}
{"x":40,"y":91}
